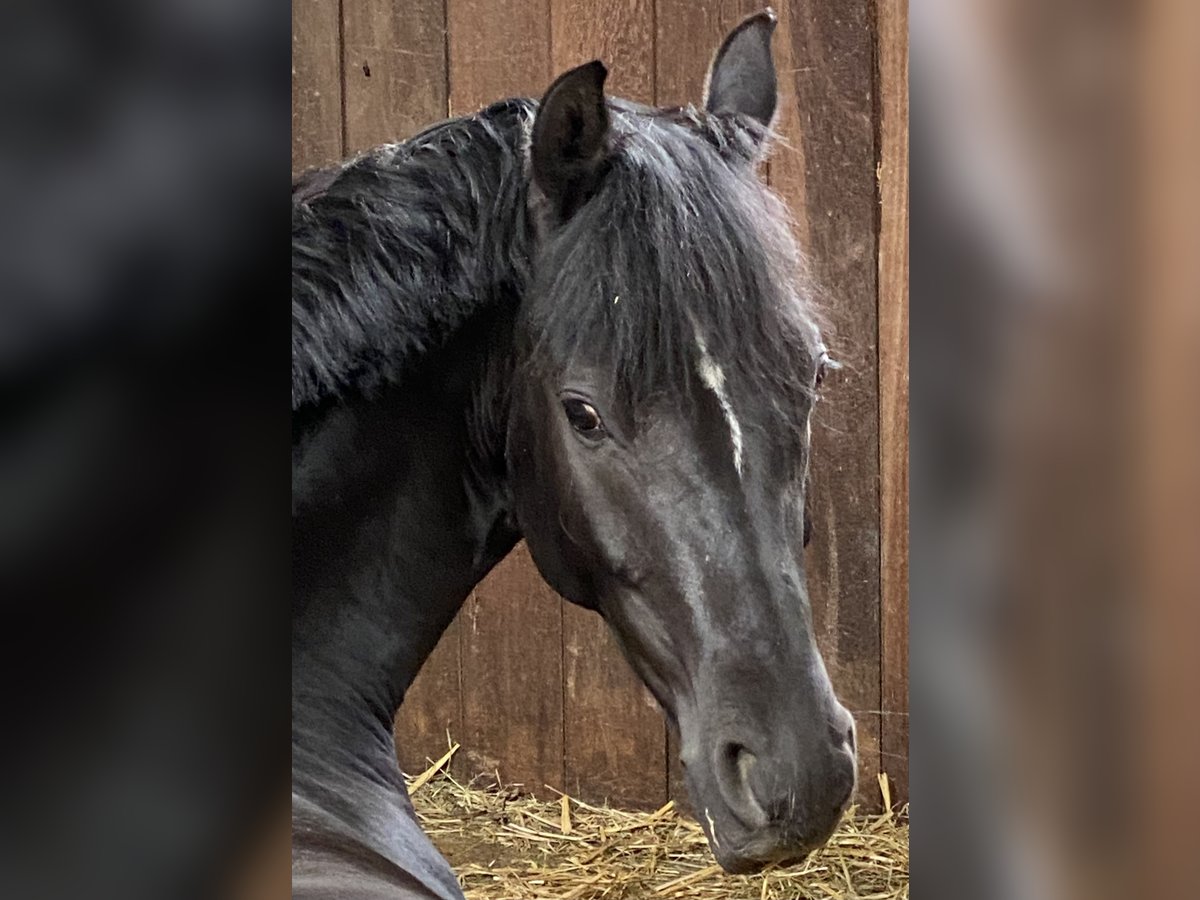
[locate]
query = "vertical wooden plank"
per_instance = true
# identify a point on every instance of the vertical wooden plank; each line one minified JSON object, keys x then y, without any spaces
{"x":431,"y":716}
{"x":614,"y":733}
{"x":787,"y":153}
{"x":395,"y":69}
{"x":618,"y":32}
{"x":512,"y":677}
{"x":511,"y":636}
{"x":498,"y":49}
{"x":316,"y":84}
{"x":688,"y":34}
{"x":395,"y":85}
{"x":829,"y":181}
{"x":893,"y":386}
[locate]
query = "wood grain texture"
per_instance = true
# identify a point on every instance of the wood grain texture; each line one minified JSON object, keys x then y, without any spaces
{"x":831,"y":181}
{"x":618,"y":32}
{"x":394,"y":75}
{"x":431,"y":716}
{"x":787,"y":151}
{"x":395,"y":69}
{"x":498,"y":49}
{"x":614,"y":732}
{"x":512,"y":677}
{"x":615,"y":735}
{"x":511,"y":638}
{"x":316,"y":84}
{"x":893,"y":386}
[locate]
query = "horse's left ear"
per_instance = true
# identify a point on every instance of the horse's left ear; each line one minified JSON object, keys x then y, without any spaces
{"x":570,"y":145}
{"x":741,"y":78}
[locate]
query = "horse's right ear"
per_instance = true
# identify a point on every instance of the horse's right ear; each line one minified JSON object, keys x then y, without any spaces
{"x":741,"y":78}
{"x":570,"y":144}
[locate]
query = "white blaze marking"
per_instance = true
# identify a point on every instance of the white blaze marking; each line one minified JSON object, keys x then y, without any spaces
{"x":714,"y":379}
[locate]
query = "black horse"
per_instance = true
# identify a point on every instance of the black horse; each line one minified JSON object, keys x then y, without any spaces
{"x":580,"y":322}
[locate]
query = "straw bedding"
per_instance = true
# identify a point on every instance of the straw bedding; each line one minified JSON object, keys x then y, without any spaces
{"x":506,"y":845}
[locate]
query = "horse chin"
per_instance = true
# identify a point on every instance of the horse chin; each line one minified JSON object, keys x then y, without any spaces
{"x":757,"y":853}
{"x":746,"y":848}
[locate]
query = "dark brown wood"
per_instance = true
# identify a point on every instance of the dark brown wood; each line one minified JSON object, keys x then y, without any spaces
{"x":395,"y":69}
{"x":498,"y":48}
{"x":512,"y":632}
{"x":394,"y":77}
{"x":431,"y":717}
{"x":615,"y":738}
{"x":825,"y":169}
{"x":619,"y":32}
{"x":893,"y":387}
{"x":512,"y":677}
{"x":316,"y":84}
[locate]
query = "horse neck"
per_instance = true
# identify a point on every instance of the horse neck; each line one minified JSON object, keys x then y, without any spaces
{"x":400,"y":501}
{"x":402,"y":507}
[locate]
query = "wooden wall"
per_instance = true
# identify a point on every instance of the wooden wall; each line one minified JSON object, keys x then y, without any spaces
{"x":534,"y":687}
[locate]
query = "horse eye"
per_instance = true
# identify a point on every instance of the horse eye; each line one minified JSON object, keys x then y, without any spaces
{"x":583,"y":416}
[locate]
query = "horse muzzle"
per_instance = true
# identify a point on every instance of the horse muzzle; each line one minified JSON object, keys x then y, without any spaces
{"x":761,"y":805}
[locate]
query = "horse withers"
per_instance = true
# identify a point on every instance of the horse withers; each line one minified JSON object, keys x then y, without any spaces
{"x":581,"y":322}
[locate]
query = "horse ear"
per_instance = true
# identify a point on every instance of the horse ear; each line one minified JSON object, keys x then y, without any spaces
{"x":741,"y":78}
{"x":570,"y":144}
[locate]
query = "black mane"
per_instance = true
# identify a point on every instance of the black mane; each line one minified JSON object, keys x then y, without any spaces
{"x":683,"y":248}
{"x":681,"y":244}
{"x":391,"y":251}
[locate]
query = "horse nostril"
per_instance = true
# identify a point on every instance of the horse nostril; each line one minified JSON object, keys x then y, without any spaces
{"x":841,"y":730}
{"x":842,"y":740}
{"x":739,"y":761}
{"x":742,"y":760}
{"x":736,"y":763}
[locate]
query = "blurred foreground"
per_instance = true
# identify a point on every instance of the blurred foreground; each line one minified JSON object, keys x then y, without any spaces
{"x":1054,"y":439}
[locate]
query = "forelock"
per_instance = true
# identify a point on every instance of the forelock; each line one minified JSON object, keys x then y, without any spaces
{"x":681,"y":244}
